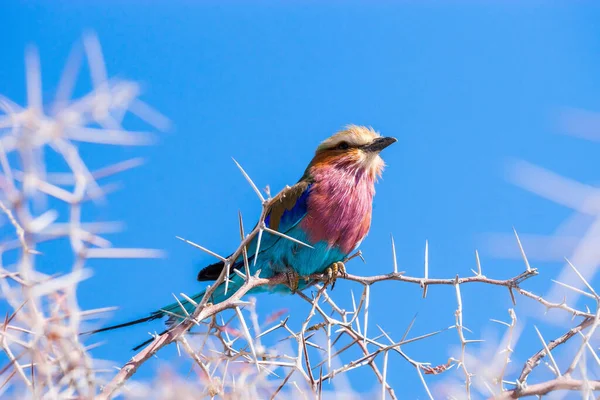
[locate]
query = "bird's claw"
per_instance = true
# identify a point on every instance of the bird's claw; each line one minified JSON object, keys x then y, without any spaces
{"x":293,"y":279}
{"x":331,"y":273}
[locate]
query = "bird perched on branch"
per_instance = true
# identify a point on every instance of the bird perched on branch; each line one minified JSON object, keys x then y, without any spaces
{"x":328,"y":213}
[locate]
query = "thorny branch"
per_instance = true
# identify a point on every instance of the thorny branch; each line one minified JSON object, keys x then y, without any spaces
{"x":40,"y":339}
{"x":539,"y":389}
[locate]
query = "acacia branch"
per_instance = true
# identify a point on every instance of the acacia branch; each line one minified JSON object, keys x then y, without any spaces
{"x":206,"y":310}
{"x":534,"y":360}
{"x":539,"y":389}
{"x":173,"y":334}
{"x":399,"y":276}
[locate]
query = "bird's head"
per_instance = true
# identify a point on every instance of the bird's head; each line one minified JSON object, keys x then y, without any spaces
{"x":355,"y":148}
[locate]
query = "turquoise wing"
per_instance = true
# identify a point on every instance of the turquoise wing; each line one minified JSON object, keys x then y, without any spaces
{"x":287,"y":210}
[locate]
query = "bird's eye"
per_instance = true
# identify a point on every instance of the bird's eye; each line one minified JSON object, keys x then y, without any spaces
{"x":343,"y":146}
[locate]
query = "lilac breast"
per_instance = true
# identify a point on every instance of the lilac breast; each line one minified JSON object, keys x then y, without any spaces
{"x":339,"y":206}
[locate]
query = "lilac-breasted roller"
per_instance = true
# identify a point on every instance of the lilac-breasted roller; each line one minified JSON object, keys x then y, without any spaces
{"x":329,"y":209}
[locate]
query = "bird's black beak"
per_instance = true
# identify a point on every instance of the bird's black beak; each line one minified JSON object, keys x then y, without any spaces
{"x":379,"y":144}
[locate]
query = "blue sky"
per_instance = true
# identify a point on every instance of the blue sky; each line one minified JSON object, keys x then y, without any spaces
{"x":465,"y":87}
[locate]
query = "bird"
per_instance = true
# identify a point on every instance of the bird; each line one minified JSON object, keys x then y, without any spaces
{"x":327,"y":212}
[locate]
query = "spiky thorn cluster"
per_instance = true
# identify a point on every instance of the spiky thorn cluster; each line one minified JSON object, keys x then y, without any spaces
{"x":39,"y":202}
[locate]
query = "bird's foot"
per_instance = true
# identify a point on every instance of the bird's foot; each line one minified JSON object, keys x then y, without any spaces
{"x":293,"y":279}
{"x":331,"y":273}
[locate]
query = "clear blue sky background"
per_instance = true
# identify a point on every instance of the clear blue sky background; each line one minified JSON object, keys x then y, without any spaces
{"x":464,"y":87}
